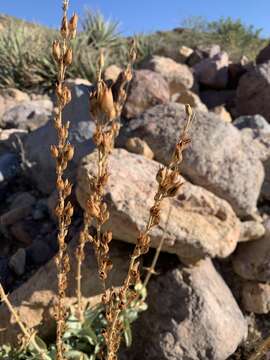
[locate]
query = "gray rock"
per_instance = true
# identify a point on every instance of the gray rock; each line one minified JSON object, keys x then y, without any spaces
{"x":28,"y":115}
{"x":78,"y":109}
{"x":256,"y":297}
{"x":253,"y":92}
{"x":200,"y":223}
{"x":9,"y":166}
{"x":17,"y":262}
{"x":213,"y":71}
{"x":192,"y":315}
{"x":264,"y":55}
{"x":251,"y":260}
{"x":147,"y":89}
{"x":217,"y":159}
{"x":255,"y":122}
{"x":178,"y":76}
{"x":37,"y":151}
{"x":38,"y":253}
{"x":213,"y":98}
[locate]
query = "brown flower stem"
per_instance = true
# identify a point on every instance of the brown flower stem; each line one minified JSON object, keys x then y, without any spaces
{"x":106,"y":105}
{"x":151,"y":270}
{"x":28,"y":335}
{"x":63,"y":152}
{"x":169,"y":182}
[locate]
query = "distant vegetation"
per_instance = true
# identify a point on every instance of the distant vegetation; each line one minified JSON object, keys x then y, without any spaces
{"x":26,"y":61}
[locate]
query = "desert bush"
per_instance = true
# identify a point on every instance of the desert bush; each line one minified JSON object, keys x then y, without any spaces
{"x":233,"y":36}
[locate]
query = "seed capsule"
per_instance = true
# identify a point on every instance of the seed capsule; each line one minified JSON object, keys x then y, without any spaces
{"x":56,"y":49}
{"x":64,"y":27}
{"x":73,"y":22}
{"x":69,"y":153}
{"x":68,"y":57}
{"x":54,"y":151}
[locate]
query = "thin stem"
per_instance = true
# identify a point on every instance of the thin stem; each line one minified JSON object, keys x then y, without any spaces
{"x":26,"y":332}
{"x":151,"y":269}
{"x":169,"y":182}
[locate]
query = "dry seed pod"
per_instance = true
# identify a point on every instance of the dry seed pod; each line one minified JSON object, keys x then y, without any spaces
{"x":64,"y":27}
{"x":69,"y":152}
{"x":73,"y":22}
{"x":56,"y":49}
{"x":106,"y":102}
{"x":60,"y":184}
{"x":68,"y":57}
{"x":66,"y":95}
{"x":54,"y":151}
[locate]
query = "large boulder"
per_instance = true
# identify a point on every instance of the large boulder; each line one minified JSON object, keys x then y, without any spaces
{"x":34,"y":300}
{"x":213,"y":72}
{"x":178,"y":76}
{"x":37,"y":151}
{"x":28,"y":115}
{"x":255,"y":132}
{"x":192,"y":315}
{"x":200,"y":223}
{"x":253,"y":92}
{"x":147,"y":89}
{"x":217,"y":159}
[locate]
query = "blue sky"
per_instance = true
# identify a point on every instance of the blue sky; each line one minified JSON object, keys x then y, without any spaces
{"x":145,"y":15}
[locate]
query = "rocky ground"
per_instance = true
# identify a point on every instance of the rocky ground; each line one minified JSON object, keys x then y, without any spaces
{"x":211,"y":299}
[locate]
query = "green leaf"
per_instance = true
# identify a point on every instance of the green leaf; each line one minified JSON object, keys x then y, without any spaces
{"x":127,"y":333}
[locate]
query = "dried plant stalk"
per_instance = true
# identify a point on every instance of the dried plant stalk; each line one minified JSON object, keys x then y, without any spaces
{"x":63,"y":152}
{"x":106,"y":103}
{"x":261,"y":351}
{"x":169,"y":182}
{"x":28,"y":336}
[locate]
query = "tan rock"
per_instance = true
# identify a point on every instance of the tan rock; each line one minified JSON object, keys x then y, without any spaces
{"x":213,"y":72}
{"x":256,"y":297}
{"x":146,"y":90}
{"x":184,"y":53}
{"x":16,"y":94}
{"x":178,"y":76}
{"x":251,"y":260}
{"x":112,"y":72}
{"x":34,"y":300}
{"x":188,"y":97}
{"x":251,"y":230}
{"x":223,"y":113}
{"x":200,"y":224}
{"x":140,"y":147}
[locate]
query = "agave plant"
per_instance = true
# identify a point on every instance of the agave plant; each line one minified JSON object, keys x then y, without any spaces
{"x":25,"y":57}
{"x":100,"y":33}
